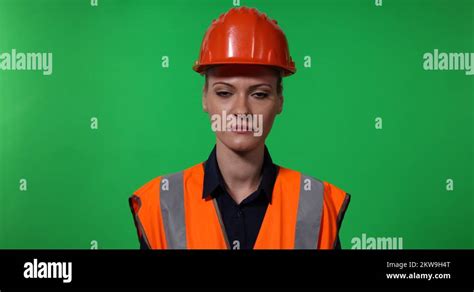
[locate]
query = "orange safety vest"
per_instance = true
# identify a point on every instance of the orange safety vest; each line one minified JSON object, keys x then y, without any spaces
{"x":304,"y":213}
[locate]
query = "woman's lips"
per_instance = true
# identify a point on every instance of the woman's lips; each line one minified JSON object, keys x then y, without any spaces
{"x":241,"y":130}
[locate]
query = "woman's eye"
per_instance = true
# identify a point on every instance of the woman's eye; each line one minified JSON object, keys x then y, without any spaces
{"x":223,"y":93}
{"x":260,"y":95}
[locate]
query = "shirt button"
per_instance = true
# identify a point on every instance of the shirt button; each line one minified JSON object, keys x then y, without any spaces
{"x":239,"y":213}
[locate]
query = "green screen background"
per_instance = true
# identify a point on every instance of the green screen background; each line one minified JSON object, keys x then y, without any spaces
{"x":367,"y":62}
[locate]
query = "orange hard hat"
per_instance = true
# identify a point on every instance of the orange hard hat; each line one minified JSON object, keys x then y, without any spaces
{"x":245,"y":36}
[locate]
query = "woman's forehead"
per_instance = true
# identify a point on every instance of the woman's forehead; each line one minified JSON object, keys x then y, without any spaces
{"x":243,"y":71}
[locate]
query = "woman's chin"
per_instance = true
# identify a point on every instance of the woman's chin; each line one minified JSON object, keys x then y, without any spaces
{"x":241,"y":143}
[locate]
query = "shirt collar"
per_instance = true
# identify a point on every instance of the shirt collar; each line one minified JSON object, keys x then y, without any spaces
{"x":213,"y":179}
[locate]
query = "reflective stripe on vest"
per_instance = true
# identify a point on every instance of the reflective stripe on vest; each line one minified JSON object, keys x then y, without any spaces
{"x":172,"y":210}
{"x":308,"y":218}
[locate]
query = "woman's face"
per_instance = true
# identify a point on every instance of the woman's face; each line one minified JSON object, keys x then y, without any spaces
{"x":242,"y":102}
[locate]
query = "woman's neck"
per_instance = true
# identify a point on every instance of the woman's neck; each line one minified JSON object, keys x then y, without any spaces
{"x":241,"y":170}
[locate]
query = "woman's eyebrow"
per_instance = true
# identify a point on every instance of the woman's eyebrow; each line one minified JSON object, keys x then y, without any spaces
{"x":258,"y":85}
{"x":225,"y":83}
{"x":250,"y":88}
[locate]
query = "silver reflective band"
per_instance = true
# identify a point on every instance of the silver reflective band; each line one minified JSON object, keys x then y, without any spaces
{"x":310,"y":207}
{"x":172,"y":210}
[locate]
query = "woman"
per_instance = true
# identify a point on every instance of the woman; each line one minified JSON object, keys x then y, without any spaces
{"x":238,"y":198}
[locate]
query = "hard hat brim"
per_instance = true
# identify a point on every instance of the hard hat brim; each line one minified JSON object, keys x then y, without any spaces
{"x":202,"y":68}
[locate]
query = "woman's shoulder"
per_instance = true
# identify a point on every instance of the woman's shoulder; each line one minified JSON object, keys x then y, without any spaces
{"x":308,"y":179}
{"x":152,"y":186}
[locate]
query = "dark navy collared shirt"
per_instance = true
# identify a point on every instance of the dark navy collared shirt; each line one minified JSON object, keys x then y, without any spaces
{"x":242,"y":221}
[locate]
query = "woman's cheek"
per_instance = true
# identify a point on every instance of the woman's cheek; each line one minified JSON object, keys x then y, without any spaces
{"x":268,"y":122}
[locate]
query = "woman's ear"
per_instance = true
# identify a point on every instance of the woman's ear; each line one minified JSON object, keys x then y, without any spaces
{"x":204,"y":94}
{"x":280,"y":104}
{"x":204,"y":101}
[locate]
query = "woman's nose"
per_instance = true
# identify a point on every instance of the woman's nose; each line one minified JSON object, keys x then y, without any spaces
{"x":241,"y":105}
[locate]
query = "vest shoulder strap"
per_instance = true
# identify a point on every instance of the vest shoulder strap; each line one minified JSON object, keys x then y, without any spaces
{"x":158,"y":211}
